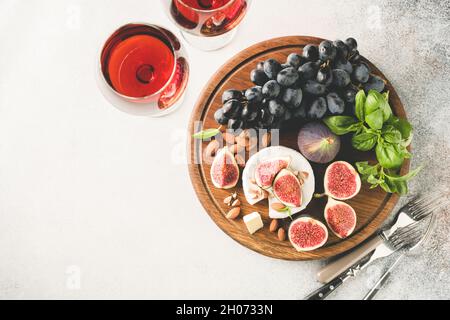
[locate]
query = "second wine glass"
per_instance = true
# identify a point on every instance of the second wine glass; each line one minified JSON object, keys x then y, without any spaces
{"x":207,"y":24}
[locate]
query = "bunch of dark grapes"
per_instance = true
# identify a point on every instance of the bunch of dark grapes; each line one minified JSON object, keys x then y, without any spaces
{"x":322,"y":81}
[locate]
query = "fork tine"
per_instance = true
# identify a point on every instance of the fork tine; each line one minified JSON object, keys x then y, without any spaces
{"x":409,"y":240}
{"x":422,"y":206}
{"x":404,"y":234}
{"x":427,"y":210}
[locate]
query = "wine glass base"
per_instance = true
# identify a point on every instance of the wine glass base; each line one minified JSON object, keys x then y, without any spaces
{"x":209,"y":43}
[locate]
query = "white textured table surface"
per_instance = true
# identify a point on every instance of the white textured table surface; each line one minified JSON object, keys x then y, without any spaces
{"x":95,"y":203}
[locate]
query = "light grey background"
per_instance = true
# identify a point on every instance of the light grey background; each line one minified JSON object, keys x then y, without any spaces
{"x":95,"y":203}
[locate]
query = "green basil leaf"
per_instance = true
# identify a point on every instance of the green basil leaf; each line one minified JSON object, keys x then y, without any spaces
{"x":372,"y":103}
{"x":401,"y":125}
{"x":388,"y":156}
{"x":386,"y":187}
{"x":372,"y":180}
{"x":360,"y":101}
{"x":404,"y":127}
{"x":375,"y":119}
{"x":206,"y":134}
{"x":398,"y":186}
{"x":405,"y":177}
{"x":364,"y":141}
{"x":377,"y":101}
{"x":342,"y":124}
{"x":386,"y":109}
{"x":392,"y":135}
{"x":365,"y":168}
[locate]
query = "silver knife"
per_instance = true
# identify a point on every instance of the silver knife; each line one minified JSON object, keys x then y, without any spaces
{"x":382,"y":250}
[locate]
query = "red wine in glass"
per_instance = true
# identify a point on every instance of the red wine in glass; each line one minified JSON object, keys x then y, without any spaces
{"x":208,"y":18}
{"x":145,"y":64}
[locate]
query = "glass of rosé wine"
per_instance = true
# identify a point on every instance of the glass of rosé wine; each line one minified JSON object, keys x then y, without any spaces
{"x":207,"y":24}
{"x":143,"y":70}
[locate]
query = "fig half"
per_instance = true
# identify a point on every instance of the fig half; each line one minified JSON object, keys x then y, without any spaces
{"x":340,"y":217}
{"x":341,"y":181}
{"x":306,"y":234}
{"x":287,"y":188}
{"x":266,"y":171}
{"x":224,"y":170}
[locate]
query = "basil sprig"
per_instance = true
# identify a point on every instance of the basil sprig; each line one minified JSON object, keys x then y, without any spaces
{"x":375,"y":127}
{"x":389,"y":181}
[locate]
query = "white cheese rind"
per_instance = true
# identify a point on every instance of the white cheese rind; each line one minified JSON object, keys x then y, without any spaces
{"x":253,"y":222}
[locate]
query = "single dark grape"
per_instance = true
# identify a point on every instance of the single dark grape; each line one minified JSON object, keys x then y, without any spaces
{"x":254,"y":94}
{"x":354,"y":57}
{"x":232,"y":108}
{"x":327,"y":51}
{"x":271,"y":68}
{"x":361,"y":73}
{"x":341,"y":78}
{"x":292,"y":97}
{"x":342,"y":49}
{"x":310,"y":52}
{"x":324,"y":76}
{"x":318,"y":108}
{"x":245,"y":112}
{"x":258,"y":77}
{"x":343,"y":64}
{"x":315,"y":88}
{"x":220,"y":117}
{"x":235,"y":124}
{"x":252,"y":115}
{"x":231,"y":94}
{"x":301,"y":112}
{"x":266,"y":118}
{"x":335,"y":104}
{"x":308,"y":71}
{"x":295,"y":60}
{"x":374,"y":83}
{"x":351,"y":44}
{"x":271,"y":89}
{"x":287,"y":77}
{"x":276,"y":108}
{"x":349,"y":95}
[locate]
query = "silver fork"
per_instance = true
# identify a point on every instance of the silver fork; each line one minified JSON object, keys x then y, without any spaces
{"x":400,"y":239}
{"x":415,"y":210}
{"x":383,"y":279}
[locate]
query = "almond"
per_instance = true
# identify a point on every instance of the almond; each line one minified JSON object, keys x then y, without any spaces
{"x":228,"y":200}
{"x":304,"y":174}
{"x":281,"y":234}
{"x":240,"y":160}
{"x":277,"y":206}
{"x":210,"y":151}
{"x":235,"y":148}
{"x":252,"y":143}
{"x":233,"y":213}
{"x":265,"y":140}
{"x":228,"y":137}
{"x":273,"y":225}
{"x":236,"y":203}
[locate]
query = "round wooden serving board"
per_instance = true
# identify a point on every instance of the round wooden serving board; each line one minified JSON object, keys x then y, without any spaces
{"x":372,"y":206}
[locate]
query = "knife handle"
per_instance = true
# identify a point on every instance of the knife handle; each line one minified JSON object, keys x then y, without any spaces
{"x":337,"y":267}
{"x":324,"y":291}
